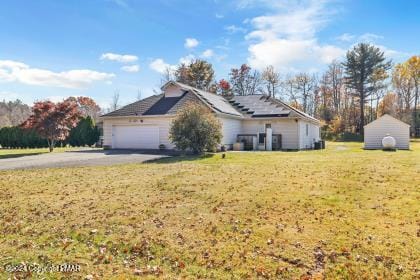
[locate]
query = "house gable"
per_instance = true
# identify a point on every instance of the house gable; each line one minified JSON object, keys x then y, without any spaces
{"x":173,"y":90}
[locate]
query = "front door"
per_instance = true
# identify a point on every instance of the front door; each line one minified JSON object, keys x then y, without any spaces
{"x":276,"y":142}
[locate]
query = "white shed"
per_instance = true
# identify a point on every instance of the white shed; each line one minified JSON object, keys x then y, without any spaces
{"x":383,"y":126}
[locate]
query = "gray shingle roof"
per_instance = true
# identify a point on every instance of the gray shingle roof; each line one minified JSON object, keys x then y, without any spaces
{"x":136,"y":108}
{"x":217,"y":102}
{"x":249,"y":106}
{"x":154,"y":105}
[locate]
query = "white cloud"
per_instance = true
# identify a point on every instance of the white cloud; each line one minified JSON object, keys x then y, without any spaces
{"x":160,"y":66}
{"x":328,"y":53}
{"x":272,"y":52}
{"x":130,"y":68}
{"x":287,"y":36}
{"x":366,"y":37}
{"x":123,"y":58}
{"x":394,"y":54}
{"x":56,"y":98}
{"x":207,"y":53}
{"x":369,"y":37}
{"x":346,"y":37}
{"x":191,"y":43}
{"x":186,"y":59}
{"x":234,"y":29}
{"x":297,"y":21}
{"x":217,"y":15}
{"x":13,"y":71}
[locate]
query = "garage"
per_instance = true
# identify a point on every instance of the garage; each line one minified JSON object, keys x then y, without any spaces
{"x":135,"y":137}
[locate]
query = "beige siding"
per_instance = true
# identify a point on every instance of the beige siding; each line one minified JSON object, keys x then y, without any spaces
{"x":161,"y":122}
{"x":378,"y":129}
{"x":288,"y":128}
{"x":230,"y":129}
{"x":293,"y":133}
{"x":306,"y":141}
{"x":173,"y":91}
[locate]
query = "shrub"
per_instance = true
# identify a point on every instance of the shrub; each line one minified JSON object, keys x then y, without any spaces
{"x":195,"y":128}
{"x":18,"y":137}
{"x":85,"y":133}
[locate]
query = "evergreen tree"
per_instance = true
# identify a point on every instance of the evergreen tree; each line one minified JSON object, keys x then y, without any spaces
{"x":362,"y":62}
{"x":85,"y":133}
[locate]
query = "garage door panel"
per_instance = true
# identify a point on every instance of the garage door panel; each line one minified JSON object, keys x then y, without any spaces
{"x":135,"y":137}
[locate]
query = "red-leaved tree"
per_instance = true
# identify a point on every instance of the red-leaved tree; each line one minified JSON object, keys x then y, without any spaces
{"x":53,"y":121}
{"x":87,"y":106}
{"x":224,"y":87}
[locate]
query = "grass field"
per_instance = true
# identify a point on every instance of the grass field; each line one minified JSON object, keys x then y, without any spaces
{"x":341,"y":213}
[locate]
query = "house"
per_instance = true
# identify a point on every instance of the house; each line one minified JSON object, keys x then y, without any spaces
{"x":386,"y":125}
{"x":258,"y":121}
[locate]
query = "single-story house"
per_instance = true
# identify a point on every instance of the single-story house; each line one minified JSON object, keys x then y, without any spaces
{"x":258,"y":121}
{"x":386,"y":125}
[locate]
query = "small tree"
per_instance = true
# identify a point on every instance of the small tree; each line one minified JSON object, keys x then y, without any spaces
{"x":53,"y":121}
{"x":271,"y":80}
{"x":115,"y":104}
{"x":85,"y":133}
{"x":198,"y":74}
{"x":223,"y":88}
{"x":195,"y":128}
{"x":244,"y":81}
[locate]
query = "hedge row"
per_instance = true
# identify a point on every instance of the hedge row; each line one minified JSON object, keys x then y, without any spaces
{"x":16,"y":137}
{"x":85,"y":133}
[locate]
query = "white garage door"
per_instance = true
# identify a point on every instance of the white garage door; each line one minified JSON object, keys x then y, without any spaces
{"x":135,"y":137}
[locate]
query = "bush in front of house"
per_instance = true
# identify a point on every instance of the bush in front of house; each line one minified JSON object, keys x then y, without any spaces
{"x":195,"y":128}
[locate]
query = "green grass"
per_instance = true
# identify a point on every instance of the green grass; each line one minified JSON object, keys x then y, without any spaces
{"x":340,"y":213}
{"x":14,"y":153}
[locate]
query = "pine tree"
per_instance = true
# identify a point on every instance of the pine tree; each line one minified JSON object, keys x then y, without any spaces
{"x":362,"y":62}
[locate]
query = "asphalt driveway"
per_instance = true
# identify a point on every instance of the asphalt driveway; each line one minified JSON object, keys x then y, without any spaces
{"x":80,"y":158}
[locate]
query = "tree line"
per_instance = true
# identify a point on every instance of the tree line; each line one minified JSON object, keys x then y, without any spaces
{"x":13,"y":112}
{"x":349,"y":94}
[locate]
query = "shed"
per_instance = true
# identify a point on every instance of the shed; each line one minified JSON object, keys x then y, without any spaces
{"x":383,"y":126}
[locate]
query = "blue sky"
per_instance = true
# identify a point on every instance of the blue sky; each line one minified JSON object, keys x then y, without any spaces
{"x":53,"y":49}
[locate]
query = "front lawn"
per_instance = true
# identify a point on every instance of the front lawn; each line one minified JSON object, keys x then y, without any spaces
{"x":342,"y":213}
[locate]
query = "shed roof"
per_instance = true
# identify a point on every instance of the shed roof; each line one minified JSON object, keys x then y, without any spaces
{"x":387,"y":116}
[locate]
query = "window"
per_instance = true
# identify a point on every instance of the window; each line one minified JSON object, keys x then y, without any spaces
{"x":307,"y":129}
{"x":261,"y":138}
